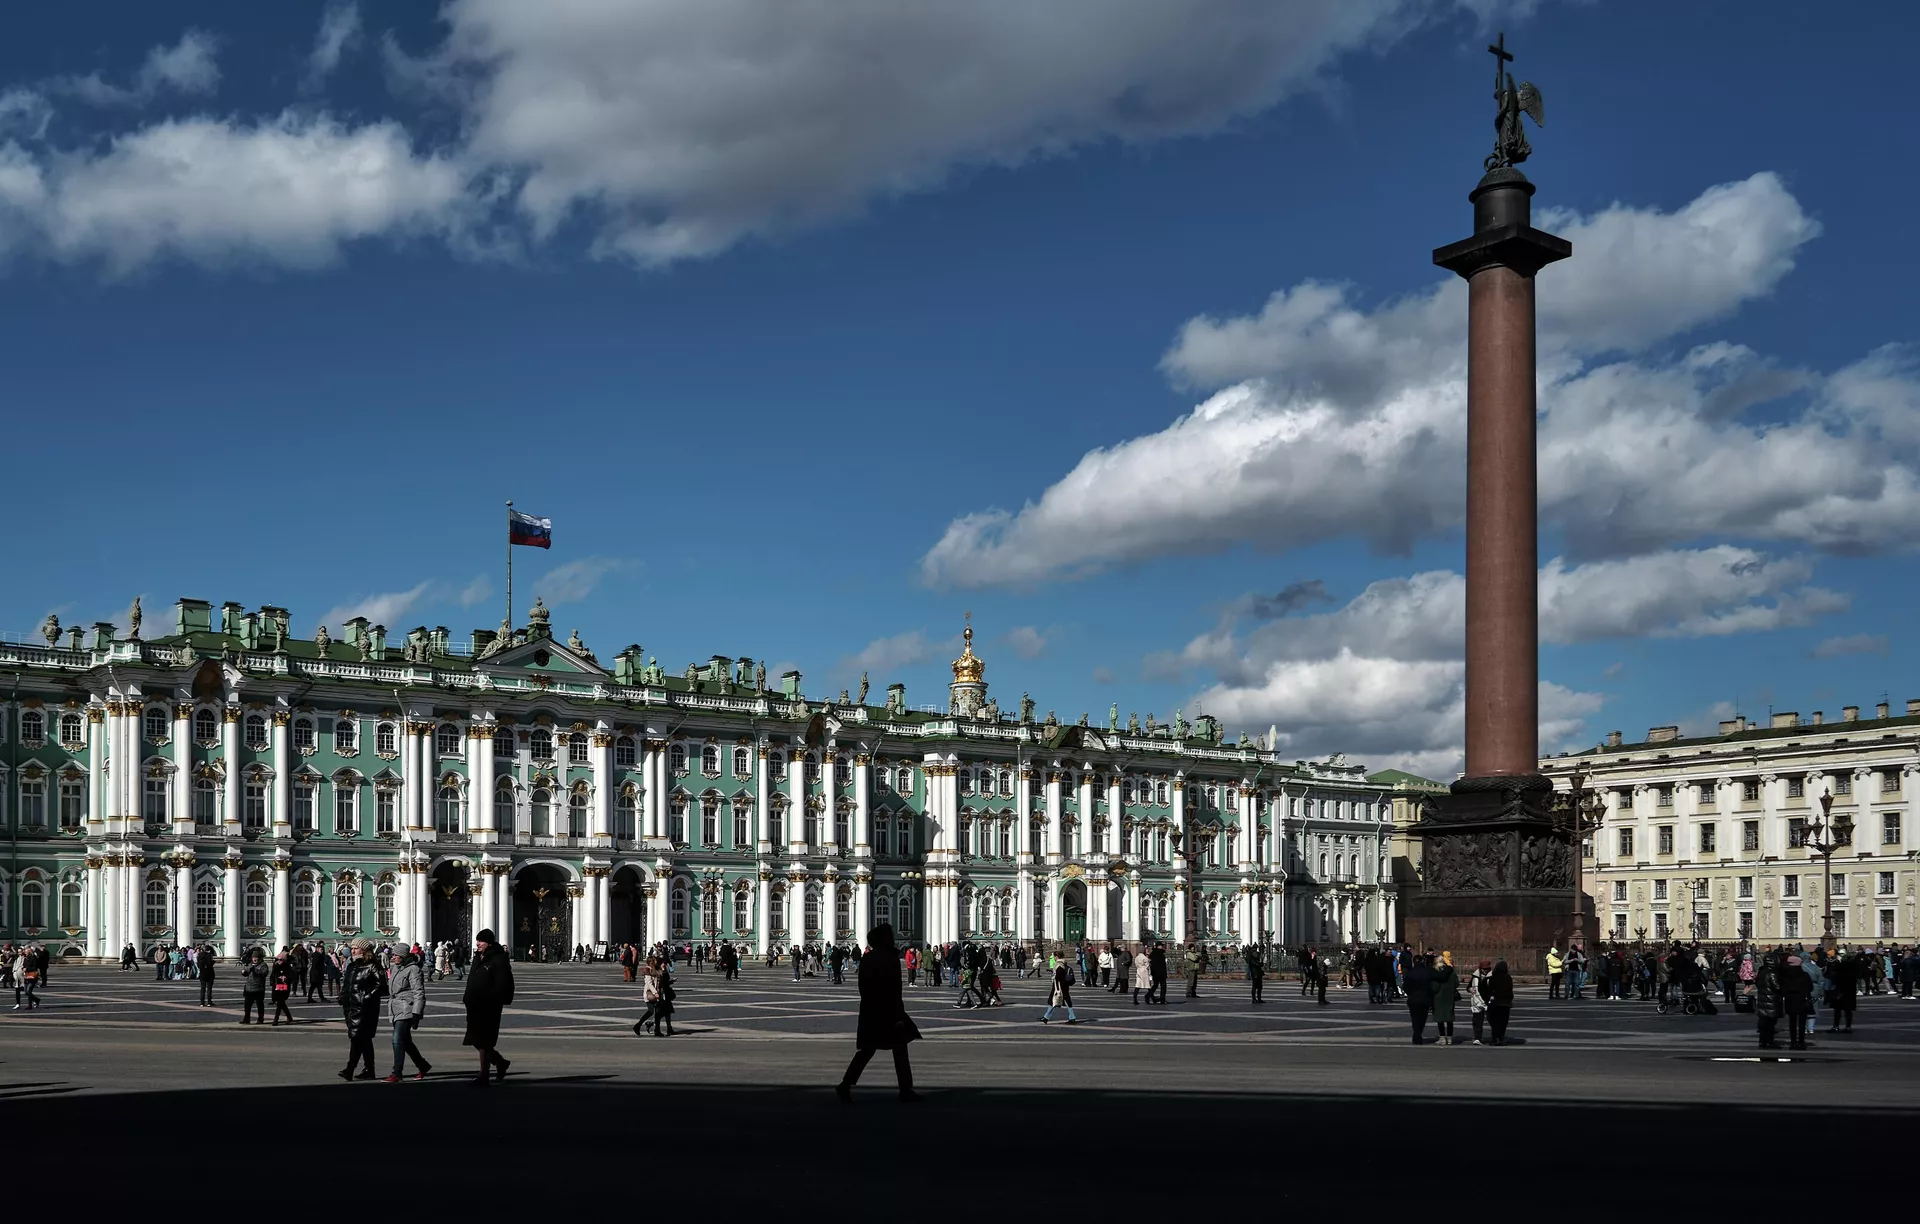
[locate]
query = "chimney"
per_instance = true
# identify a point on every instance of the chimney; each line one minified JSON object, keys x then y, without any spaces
{"x":102,"y":634}
{"x":231,"y":616}
{"x":1913,"y":706}
{"x":1818,"y":718}
{"x":1883,"y":710}
{"x":1849,"y":713}
{"x":193,"y":616}
{"x":897,"y":697}
{"x":1660,"y":735}
{"x":483,"y":638}
{"x":1742,"y":720}
{"x":354,"y":630}
{"x":1613,"y":739}
{"x":1729,"y":725}
{"x":1787,"y":718}
{"x":378,"y":637}
{"x":790,"y":685}
{"x":250,"y":631}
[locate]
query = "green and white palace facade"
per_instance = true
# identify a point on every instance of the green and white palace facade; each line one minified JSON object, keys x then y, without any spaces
{"x":227,"y":783}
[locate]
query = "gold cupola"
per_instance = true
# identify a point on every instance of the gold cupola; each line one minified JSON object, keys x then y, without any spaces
{"x":968,"y":668}
{"x":967,"y":695}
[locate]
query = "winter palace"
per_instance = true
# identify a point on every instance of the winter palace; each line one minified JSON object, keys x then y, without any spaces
{"x":1719,"y":836}
{"x":230,"y":783}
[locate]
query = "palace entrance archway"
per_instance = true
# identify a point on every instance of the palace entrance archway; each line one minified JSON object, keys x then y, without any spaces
{"x":452,"y":907}
{"x":627,"y":901}
{"x":542,"y":914}
{"x":1073,"y":911}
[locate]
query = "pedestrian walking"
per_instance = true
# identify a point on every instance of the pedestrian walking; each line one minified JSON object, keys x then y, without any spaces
{"x":1478,"y":988}
{"x":1256,"y":972}
{"x":253,"y":988}
{"x":884,"y":1023}
{"x":1419,"y":996}
{"x":1062,"y":995}
{"x":1499,"y":1001}
{"x":1796,"y":1001}
{"x":407,"y":1005}
{"x":489,"y":992}
{"x":360,"y":994}
{"x":280,"y":980}
{"x":27,"y":973}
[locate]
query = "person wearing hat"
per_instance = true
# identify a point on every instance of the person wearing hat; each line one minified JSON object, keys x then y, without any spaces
{"x":489,"y":992}
{"x":407,"y":1003}
{"x":1796,"y":1001}
{"x":361,"y":990}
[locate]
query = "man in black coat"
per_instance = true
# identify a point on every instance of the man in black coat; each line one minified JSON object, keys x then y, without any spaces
{"x":205,"y":964}
{"x":1796,"y":1001}
{"x":1157,"y":974}
{"x":1256,"y":972}
{"x":489,"y":992}
{"x":884,"y":1023}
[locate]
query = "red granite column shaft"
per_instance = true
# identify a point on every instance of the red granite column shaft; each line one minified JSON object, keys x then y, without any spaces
{"x":1503,"y":633}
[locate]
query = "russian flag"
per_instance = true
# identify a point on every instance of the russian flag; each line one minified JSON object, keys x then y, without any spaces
{"x":528,"y":530}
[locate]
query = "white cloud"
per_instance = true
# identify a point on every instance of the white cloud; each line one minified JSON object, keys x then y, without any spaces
{"x":1383,"y":676}
{"x":187,"y":67}
{"x":383,"y":609}
{"x":1851,"y":644}
{"x":1103,"y":675}
{"x":478,"y":591}
{"x":1025,"y":641}
{"x":1351,"y":423}
{"x":573,"y":581}
{"x":339,"y":30}
{"x":287,"y":191}
{"x":887,"y":654}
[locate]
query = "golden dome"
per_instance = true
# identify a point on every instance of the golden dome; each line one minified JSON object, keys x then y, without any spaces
{"x":968,"y":668}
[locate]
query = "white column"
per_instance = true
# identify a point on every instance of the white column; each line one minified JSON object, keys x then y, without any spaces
{"x":797,"y":818}
{"x":600,"y":757}
{"x":96,"y":769}
{"x":423,"y":904}
{"x":235,"y":787}
{"x":130,"y":903}
{"x":862,"y":814}
{"x":762,"y":816}
{"x":96,"y":933}
{"x":862,"y":907}
{"x":1116,"y":816}
{"x":576,"y":906}
{"x":491,"y":915}
{"x":1180,"y":899}
{"x":183,"y":905}
{"x":1099,"y":908}
{"x":603,"y":904}
{"x":1909,"y":835}
{"x":478,"y":792}
{"x":1083,"y":843}
{"x":1054,"y":850}
{"x":478,"y":920}
{"x":763,"y":901}
{"x":282,"y":905}
{"x":829,"y":816}
{"x":282,"y":785}
{"x":1023,"y":823}
{"x":1180,"y":810}
{"x":233,"y":908}
{"x":182,"y":768}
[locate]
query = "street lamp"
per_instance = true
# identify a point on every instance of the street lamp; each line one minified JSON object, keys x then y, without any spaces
{"x":1825,"y":834}
{"x":1701,"y":918}
{"x":1586,"y":811}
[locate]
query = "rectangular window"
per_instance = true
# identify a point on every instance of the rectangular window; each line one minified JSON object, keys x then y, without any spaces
{"x":1839,"y":884}
{"x":73,"y":806}
{"x":1660,"y":930}
{"x":253,"y":807}
{"x":1796,"y":832}
{"x":1839,"y":929}
{"x":1619,"y":890}
{"x":1790,"y":920}
{"x":343,"y":805}
{"x":742,"y":836}
{"x":1659,"y":890}
{"x":1666,"y":839}
{"x":1750,"y":835}
{"x":303,"y":810}
{"x":1744,"y":888}
{"x":1746,"y":924}
{"x":1890,"y":828}
{"x":1843,"y":785}
{"x":1709,"y":839}
{"x":577,"y":750}
{"x":1666,"y":796}
{"x":1790,"y":886}
{"x":383,"y":815}
{"x":1890,"y":783}
{"x":1619,"y":926}
{"x":346,"y":736}
{"x":153,"y":801}
{"x":1750,"y":792}
{"x":1626,"y":843}
{"x":1886,"y":924}
{"x":1796,"y":788}
{"x":1707,"y":793}
{"x":710,"y":826}
{"x":1883,"y":884}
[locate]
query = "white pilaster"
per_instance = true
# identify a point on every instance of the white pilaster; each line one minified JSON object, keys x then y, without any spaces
{"x":182,"y":768}
{"x":1116,"y":817}
{"x":797,"y":818}
{"x":234,"y":788}
{"x":282,"y":788}
{"x":1082,"y":842}
{"x":96,"y":773}
{"x":183,"y":905}
{"x":829,"y":816}
{"x":763,"y":901}
{"x":600,"y":757}
{"x":762,"y":823}
{"x":233,"y":914}
{"x":1054,"y":848}
{"x":862,"y":813}
{"x":1023,"y":824}
{"x":282,"y":904}
{"x":96,"y":931}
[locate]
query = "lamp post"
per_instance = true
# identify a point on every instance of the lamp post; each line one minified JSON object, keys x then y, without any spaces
{"x":1700,"y":919}
{"x":1586,"y":810}
{"x":1825,"y":834}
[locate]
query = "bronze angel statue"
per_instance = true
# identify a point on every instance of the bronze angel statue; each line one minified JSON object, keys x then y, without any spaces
{"x":1510,"y":146}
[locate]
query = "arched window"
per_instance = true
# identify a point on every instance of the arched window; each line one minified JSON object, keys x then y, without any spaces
{"x":1006,"y":782}
{"x":386,"y":740}
{"x":966,"y":782}
{"x":447,"y":810}
{"x":882,"y":837}
{"x":678,"y":903}
{"x":777,"y":909}
{"x":1213,"y":915}
{"x":383,"y":907}
{"x":1160,"y":922}
{"x":904,"y":781}
{"x":155,"y":721}
{"x":742,"y":762}
{"x":710,"y":914}
{"x":742,"y":911}
{"x":256,"y":731}
{"x":503,"y":746}
{"x":577,"y":744}
{"x":346,"y":906}
{"x":33,"y":727}
{"x":538,"y":812}
{"x":812,"y":911}
{"x":153,"y":909}
{"x":255,"y":910}
{"x":742,"y":825}
{"x":446,"y":741}
{"x":812,"y":826}
{"x":70,"y":904}
{"x":70,"y":729}
{"x":153,"y":800}
{"x":777,"y":766}
{"x":677,"y":819}
{"x":385,"y":809}
{"x":842,"y":912}
{"x":1323,"y":865}
{"x":1165,"y":795}
{"x":623,"y":814}
{"x":1006,"y":913}
{"x":542,"y":744}
{"x":503,"y":813}
{"x":346,"y":804}
{"x":577,"y":814}
{"x":677,"y":758}
{"x":710,"y":760}
{"x":33,"y":904}
{"x":625,"y":754}
{"x":842,"y":772}
{"x":883,"y":908}
{"x":206,"y":905}
{"x":304,"y":739}
{"x":777,"y":824}
{"x":346,"y":736}
{"x":905,"y":920}
{"x":710,"y":819}
{"x":303,"y":805}
{"x":306,"y":914}
{"x":842,"y":829}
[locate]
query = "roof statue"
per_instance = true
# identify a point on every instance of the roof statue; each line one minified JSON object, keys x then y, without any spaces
{"x":133,"y":619}
{"x":862,"y":698}
{"x":321,"y":641}
{"x":50,"y":629}
{"x":1510,"y":146}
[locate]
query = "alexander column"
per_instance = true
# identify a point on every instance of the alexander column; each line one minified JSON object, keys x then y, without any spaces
{"x":1497,"y":868}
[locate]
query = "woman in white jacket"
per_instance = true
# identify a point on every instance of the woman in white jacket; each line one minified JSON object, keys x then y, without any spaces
{"x":1477,"y":998}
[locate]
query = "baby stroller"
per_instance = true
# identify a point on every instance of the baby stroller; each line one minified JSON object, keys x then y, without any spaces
{"x":1693,"y":1000}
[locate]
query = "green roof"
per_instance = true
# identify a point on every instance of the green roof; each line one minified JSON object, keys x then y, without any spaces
{"x":1401,"y":778}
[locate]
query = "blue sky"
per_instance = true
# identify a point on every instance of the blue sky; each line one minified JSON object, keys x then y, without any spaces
{"x":813,"y":326}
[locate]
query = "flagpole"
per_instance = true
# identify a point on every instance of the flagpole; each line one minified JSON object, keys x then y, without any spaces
{"x":509,"y":565}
